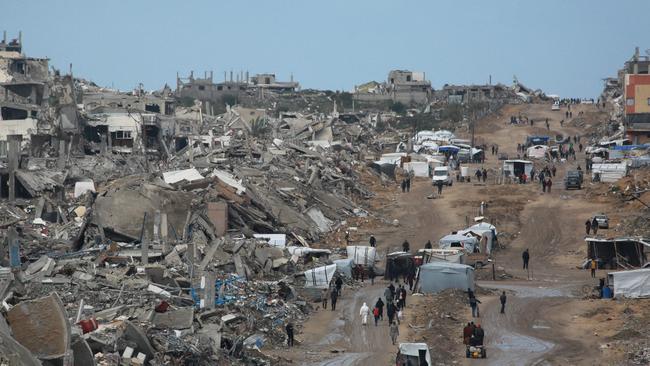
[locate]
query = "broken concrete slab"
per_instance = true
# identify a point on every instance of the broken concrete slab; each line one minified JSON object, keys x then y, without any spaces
{"x":174,"y":319}
{"x":136,"y":335}
{"x":42,"y":326}
{"x":82,"y":353}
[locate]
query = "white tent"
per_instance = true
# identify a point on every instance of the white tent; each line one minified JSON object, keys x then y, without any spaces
{"x":364,"y":255}
{"x":419,"y":168}
{"x":410,"y":353}
{"x":537,"y":151}
{"x":482,"y":227}
{"x":320,"y":277}
{"x":438,"y":276}
{"x":631,"y":284}
{"x":446,"y":255}
{"x":458,"y":241}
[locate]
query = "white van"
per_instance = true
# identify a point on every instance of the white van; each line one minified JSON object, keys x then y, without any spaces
{"x":442,"y":173}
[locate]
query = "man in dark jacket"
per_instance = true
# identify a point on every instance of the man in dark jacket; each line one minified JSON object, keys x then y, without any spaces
{"x":289,"y":329}
{"x":373,"y":241}
{"x":388,"y":294}
{"x":334,"y":295}
{"x":428,"y":245}
{"x":473,"y":303}
{"x":588,"y":226}
{"x":339,"y":285}
{"x":525,"y":256}
{"x":502,"y":298}
{"x":594,"y":226}
{"x":380,"y":305}
{"x":479,"y":334}
{"x":406,"y":246}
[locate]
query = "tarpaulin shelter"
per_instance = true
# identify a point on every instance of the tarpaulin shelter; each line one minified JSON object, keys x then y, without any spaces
{"x":458,"y":241}
{"x":399,"y":264}
{"x":344,"y":266}
{"x":414,"y":354}
{"x":515,"y":168}
{"x":631,"y":284}
{"x":438,"y":276}
{"x":363,"y":255}
{"x":622,"y":252}
{"x":320,"y":277}
{"x":446,"y":255}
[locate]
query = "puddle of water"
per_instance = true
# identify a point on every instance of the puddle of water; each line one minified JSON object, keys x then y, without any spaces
{"x":347,"y":359}
{"x":519,"y":342}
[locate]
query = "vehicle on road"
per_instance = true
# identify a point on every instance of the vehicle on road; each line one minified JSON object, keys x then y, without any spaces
{"x":602,"y":220}
{"x":475,"y":352}
{"x":573,"y":179}
{"x":555,"y":106}
{"x":441,"y":173}
{"x":413,"y":354}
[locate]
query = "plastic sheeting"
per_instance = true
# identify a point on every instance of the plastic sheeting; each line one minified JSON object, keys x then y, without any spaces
{"x":451,"y":241}
{"x":631,"y":284}
{"x":446,"y":255}
{"x":438,"y":276}
{"x":419,"y":168}
{"x":344,"y":266}
{"x":320,"y":277}
{"x":364,"y":255}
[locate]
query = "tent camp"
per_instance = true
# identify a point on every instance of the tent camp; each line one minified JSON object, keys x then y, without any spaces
{"x":631,"y":284}
{"x":438,"y":276}
{"x":469,"y":243}
{"x":320,"y":277}
{"x":515,"y":168}
{"x":484,"y":233}
{"x":344,"y":266}
{"x":413,"y":354}
{"x":608,"y":172}
{"x":364,"y":255}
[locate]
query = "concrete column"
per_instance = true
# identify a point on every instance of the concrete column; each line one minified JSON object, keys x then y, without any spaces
{"x":164,"y":232}
{"x":209,"y":291}
{"x":156,"y":226}
{"x":14,"y":249}
{"x":13,"y":158}
{"x":60,"y":162}
{"x":144,"y":246}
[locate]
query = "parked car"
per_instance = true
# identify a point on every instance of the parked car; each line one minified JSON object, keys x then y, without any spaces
{"x":441,"y":173}
{"x":603,"y":221}
{"x":573,"y":179}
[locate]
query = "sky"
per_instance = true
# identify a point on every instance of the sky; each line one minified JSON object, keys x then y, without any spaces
{"x":562,"y":47}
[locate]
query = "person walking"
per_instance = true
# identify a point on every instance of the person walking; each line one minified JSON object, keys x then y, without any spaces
{"x":428,"y":245}
{"x":593,"y":265}
{"x":439,"y":185}
{"x":363,"y":312}
{"x":390,"y":311}
{"x":588,"y":226}
{"x":334,"y":295}
{"x":339,"y":286}
{"x":403,"y":185}
{"x":484,"y":174}
{"x":502,"y":298}
{"x":594,"y":226}
{"x":289,"y":329}
{"x":393,"y":332}
{"x":406,"y":246}
{"x":549,"y":184}
{"x":375,"y":314}
{"x":525,"y":256}
{"x":402,"y":297}
{"x":372,"y":241}
{"x":380,"y":305}
{"x":388,"y":295}
{"x":324,"y":295}
{"x":467,"y":333}
{"x":473,"y":303}
{"x":371,"y":274}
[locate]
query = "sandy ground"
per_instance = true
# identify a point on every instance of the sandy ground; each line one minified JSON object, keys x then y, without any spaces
{"x":542,"y":324}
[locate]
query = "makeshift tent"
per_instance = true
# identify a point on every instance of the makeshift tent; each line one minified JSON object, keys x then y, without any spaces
{"x":438,"y":276}
{"x":309,"y":252}
{"x":618,"y":252}
{"x":419,"y":168}
{"x":537,"y":151}
{"x":344,"y":266}
{"x":482,"y":227}
{"x":364,"y":255}
{"x":446,"y":255}
{"x":515,"y":168}
{"x":458,"y":241}
{"x":320,"y":277}
{"x":399,"y":264}
{"x":631,"y":284}
{"x":608,"y":172}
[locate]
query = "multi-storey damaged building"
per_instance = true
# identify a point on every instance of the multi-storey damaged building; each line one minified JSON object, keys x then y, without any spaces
{"x":407,"y":87}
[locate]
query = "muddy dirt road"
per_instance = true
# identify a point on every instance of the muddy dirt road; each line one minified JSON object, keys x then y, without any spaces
{"x":550,"y":225}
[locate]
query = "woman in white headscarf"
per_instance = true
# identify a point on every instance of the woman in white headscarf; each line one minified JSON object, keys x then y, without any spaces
{"x":364,"y":311}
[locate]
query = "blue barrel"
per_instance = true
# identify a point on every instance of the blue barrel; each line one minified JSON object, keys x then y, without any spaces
{"x":607,"y":292}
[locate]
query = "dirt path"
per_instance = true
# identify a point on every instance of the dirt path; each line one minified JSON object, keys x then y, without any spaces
{"x":536,"y":327}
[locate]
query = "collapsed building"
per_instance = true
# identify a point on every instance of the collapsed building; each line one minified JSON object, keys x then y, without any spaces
{"x":406,"y":87}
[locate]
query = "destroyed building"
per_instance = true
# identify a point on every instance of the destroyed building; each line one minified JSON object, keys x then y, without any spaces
{"x":636,"y":89}
{"x":406,"y":87}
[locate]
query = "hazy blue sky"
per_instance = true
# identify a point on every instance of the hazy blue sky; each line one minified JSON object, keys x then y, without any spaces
{"x":564,"y":47}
